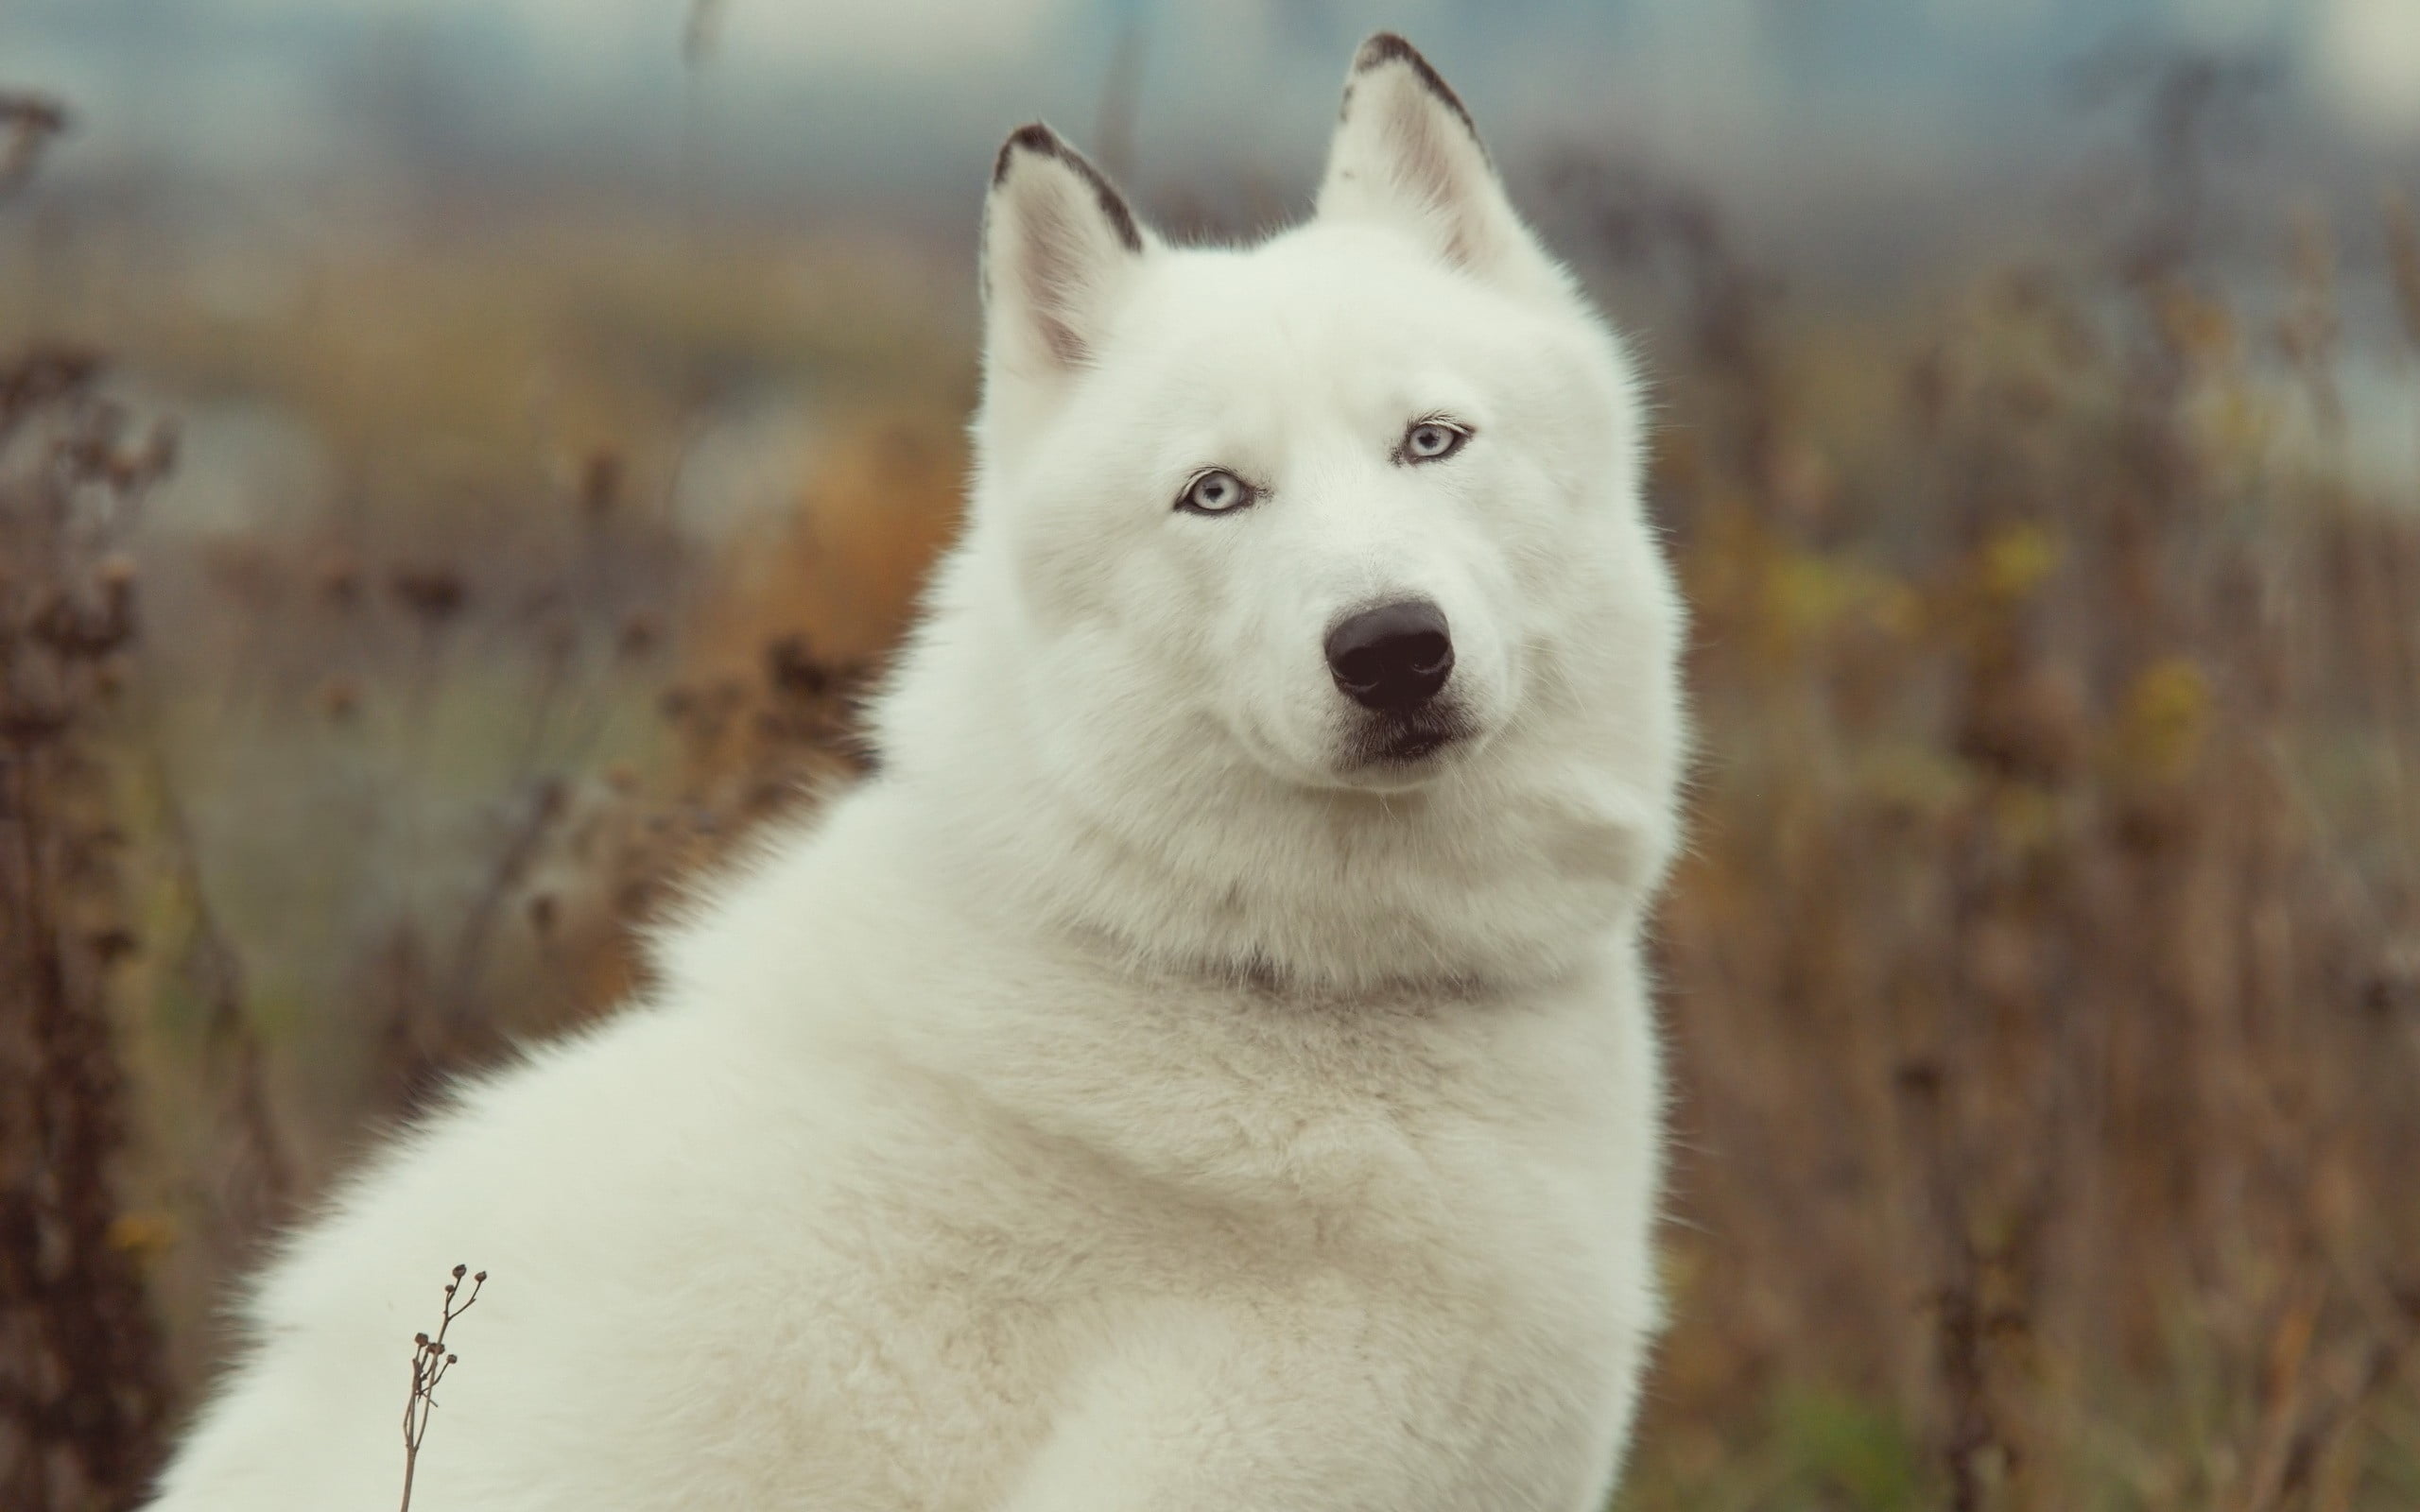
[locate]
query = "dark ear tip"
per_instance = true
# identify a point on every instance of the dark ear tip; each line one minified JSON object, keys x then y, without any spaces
{"x":1031,"y":137}
{"x":1035,"y":138}
{"x":1385,"y":47}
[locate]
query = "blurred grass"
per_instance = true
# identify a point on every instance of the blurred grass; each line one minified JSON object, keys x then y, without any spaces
{"x":2044,"y":982}
{"x":2044,"y":971}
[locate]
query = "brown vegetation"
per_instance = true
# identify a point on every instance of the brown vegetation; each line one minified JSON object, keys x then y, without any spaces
{"x":2045,"y":975}
{"x":81,"y":1389}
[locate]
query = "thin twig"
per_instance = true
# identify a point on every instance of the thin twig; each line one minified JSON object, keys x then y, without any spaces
{"x":430,"y":1362}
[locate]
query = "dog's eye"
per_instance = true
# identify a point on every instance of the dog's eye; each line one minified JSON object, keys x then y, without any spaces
{"x":1432,"y":441}
{"x":1217,"y":492}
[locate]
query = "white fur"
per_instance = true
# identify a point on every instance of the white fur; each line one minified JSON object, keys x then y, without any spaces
{"x":1131,"y":1098}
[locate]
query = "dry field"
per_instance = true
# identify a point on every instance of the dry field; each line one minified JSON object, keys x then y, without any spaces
{"x":2044,"y":983}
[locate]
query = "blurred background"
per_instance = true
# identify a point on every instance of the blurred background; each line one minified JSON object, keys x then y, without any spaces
{"x":457,"y":462}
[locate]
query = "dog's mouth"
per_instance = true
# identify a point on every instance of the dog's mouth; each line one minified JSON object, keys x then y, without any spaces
{"x":1400,"y":741}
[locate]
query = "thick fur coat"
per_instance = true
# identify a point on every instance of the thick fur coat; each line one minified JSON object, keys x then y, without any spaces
{"x":1184,"y":1078}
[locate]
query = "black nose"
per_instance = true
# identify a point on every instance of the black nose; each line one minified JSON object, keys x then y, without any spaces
{"x":1394,"y":657}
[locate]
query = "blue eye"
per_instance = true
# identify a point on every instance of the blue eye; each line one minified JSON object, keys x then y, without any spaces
{"x":1216,"y":491}
{"x":1431,"y":441}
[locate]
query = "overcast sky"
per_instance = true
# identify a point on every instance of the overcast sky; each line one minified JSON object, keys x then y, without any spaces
{"x":843,"y":94}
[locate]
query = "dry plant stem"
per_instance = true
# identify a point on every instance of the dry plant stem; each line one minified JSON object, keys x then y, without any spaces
{"x":27,"y":122}
{"x":2324,"y":1429}
{"x":258,"y":1184}
{"x":430,"y":1362}
{"x":83,"y":1386}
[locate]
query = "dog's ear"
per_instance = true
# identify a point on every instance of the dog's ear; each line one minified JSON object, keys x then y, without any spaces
{"x":1059,"y":246}
{"x":1406,"y":154}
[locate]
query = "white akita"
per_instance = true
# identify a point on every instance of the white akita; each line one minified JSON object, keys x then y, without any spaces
{"x":1209,"y":1066}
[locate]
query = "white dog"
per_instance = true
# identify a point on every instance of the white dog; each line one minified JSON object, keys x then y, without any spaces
{"x":1209,"y":1067}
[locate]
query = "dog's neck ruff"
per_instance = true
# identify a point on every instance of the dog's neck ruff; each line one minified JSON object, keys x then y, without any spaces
{"x":1142,"y":917}
{"x":1261,"y":978}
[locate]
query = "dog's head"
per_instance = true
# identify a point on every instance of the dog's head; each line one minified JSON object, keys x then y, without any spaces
{"x":1327,"y":494}
{"x":1350,"y":514}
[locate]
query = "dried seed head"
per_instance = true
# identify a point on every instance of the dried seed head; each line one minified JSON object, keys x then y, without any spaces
{"x":433,"y":594}
{"x":340,"y":579}
{"x":600,"y":484}
{"x":639,"y":634}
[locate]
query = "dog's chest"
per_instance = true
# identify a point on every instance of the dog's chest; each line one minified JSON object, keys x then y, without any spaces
{"x":1503,"y":1154}
{"x":1427,"y":1243}
{"x":1452,"y":1301}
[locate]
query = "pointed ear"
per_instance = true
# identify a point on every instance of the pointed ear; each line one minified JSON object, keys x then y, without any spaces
{"x":1059,"y":249}
{"x":1406,"y":154}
